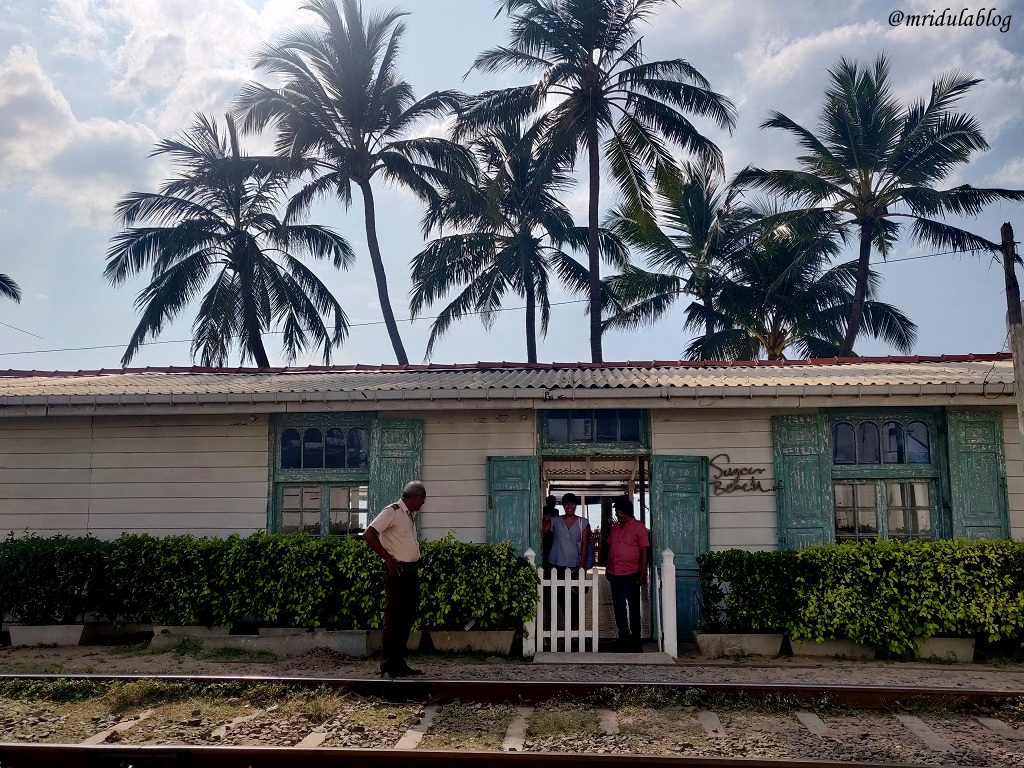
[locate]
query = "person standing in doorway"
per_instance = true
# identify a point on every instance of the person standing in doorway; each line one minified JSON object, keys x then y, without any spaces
{"x":392,"y":535}
{"x":628,"y":548}
{"x":568,"y":532}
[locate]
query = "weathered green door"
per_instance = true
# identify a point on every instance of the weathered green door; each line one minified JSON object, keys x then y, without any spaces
{"x":396,"y":447}
{"x":513,"y":484}
{"x":803,"y":480}
{"x":977,"y":475}
{"x":679,"y":521}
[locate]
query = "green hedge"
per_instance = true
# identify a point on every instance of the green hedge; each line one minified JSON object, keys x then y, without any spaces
{"x":270,"y":579}
{"x":882,"y":593}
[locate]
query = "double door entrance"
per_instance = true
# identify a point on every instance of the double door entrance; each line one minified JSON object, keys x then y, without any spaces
{"x":670,"y":495}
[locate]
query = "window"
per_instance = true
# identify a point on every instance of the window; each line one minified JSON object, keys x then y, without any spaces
{"x":321,"y":475}
{"x":607,"y":426}
{"x":884,"y":478}
{"x":324,"y":509}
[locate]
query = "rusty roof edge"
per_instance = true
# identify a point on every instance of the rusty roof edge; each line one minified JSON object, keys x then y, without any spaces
{"x":828,"y":389}
{"x":512,"y":366}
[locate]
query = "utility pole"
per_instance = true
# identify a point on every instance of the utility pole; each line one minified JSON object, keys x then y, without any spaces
{"x":1013,"y":319}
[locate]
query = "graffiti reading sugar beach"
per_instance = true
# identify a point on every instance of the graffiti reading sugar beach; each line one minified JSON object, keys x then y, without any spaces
{"x":729,"y":479}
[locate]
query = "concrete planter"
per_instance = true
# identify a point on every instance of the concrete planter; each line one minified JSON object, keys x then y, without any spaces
{"x":160,"y":630}
{"x":373,"y":640}
{"x":50,"y":634}
{"x":958,"y":649}
{"x":846,"y":649}
{"x":282,"y":641}
{"x":486,"y":641}
{"x":714,"y":645}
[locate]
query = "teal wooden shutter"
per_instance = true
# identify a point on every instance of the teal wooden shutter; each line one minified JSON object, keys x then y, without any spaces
{"x":679,"y":521}
{"x":803,"y":480}
{"x":977,"y":475}
{"x":513,"y":492}
{"x":396,"y":447}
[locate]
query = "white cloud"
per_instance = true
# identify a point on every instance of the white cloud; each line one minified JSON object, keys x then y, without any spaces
{"x":1010,"y":174}
{"x":83,"y":165}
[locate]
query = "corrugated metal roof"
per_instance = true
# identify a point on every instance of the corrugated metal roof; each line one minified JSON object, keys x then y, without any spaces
{"x":420,"y":381}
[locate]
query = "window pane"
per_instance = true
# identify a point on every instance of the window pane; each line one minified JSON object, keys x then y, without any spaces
{"x":291,"y":510}
{"x":892,"y":443}
{"x":867,"y":443}
{"x":357,"y":444}
{"x":581,"y":427}
{"x":300,"y":509}
{"x":918,"y":495}
{"x":843,"y":451}
{"x":846,"y":527}
{"x":897,"y":523}
{"x":629,"y":426}
{"x":844,"y":495}
{"x":558,"y":429}
{"x":866,"y":496}
{"x":291,"y":452}
{"x":894,"y":495}
{"x":918,"y":450}
{"x":867,"y":523}
{"x":922,"y":521}
{"x":348,"y":509}
{"x":313,"y":449}
{"x":607,"y":425}
{"x":335,"y":448}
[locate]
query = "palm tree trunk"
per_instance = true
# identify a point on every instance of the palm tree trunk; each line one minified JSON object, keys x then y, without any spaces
{"x":531,"y":324}
{"x":252,"y":323}
{"x":860,"y":291}
{"x":594,"y":258}
{"x":379,"y":275}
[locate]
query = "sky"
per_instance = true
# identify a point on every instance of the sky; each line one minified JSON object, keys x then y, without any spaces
{"x":87,"y":87}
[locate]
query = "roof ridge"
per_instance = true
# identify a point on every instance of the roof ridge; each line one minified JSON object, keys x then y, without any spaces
{"x":506,"y":365}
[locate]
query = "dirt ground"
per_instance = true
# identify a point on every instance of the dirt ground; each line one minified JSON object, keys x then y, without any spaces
{"x":691,"y":668}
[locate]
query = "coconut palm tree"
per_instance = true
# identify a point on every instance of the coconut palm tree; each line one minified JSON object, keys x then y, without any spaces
{"x":9,"y":289}
{"x":214,"y":224}
{"x":342,"y":103}
{"x":874,"y":163}
{"x":699,"y":227}
{"x":780,"y":294}
{"x":513,"y":231}
{"x":594,"y":85}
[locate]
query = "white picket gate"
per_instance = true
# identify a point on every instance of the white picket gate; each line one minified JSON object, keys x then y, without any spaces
{"x":555,"y":628}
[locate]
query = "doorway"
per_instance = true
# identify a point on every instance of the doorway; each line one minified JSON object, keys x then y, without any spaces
{"x":598,"y":481}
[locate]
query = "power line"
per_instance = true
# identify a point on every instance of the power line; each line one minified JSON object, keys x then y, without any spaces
{"x":364,"y":324}
{"x":21,"y":330}
{"x":269,"y":333}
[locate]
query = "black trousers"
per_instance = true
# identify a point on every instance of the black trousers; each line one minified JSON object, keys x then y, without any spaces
{"x":626,"y":595}
{"x":401,"y":599}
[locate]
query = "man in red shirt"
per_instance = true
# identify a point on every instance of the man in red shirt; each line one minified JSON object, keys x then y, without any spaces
{"x":628,"y":546}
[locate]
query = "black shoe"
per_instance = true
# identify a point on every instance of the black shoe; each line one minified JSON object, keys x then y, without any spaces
{"x":385,"y":675}
{"x":408,"y":672}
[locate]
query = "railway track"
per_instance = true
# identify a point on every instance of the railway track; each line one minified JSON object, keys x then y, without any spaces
{"x":195,"y":722}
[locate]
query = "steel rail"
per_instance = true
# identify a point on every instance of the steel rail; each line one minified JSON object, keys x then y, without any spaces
{"x":115,"y":756}
{"x":420,"y":689}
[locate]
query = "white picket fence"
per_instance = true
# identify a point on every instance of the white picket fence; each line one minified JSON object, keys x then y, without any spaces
{"x":568,"y":610}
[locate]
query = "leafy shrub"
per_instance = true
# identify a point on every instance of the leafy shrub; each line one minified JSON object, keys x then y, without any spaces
{"x":747,"y":591}
{"x":50,"y":580}
{"x":885,"y":594}
{"x":271,"y":579}
{"x":485,"y":584}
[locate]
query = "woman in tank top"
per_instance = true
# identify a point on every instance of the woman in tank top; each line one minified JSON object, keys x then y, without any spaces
{"x":568,"y":532}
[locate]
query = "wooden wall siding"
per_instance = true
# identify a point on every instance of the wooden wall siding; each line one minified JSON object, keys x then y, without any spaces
{"x":1014,"y":472}
{"x":456,"y":445}
{"x":742,"y":520}
{"x":205,"y":475}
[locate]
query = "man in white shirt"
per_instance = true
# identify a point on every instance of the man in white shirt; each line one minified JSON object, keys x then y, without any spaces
{"x":392,"y":535}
